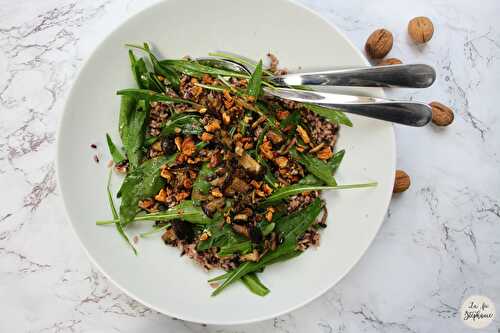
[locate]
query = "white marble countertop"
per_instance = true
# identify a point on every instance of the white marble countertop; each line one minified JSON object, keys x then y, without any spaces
{"x":439,"y":243}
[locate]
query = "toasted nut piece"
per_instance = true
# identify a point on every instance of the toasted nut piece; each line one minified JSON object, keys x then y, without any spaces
{"x":181,"y":196}
{"x":281,"y":161}
{"x":420,"y":29}
{"x":255,"y":184}
{"x":303,"y":134}
{"x":187,"y":183}
{"x":248,"y":145}
{"x":207,"y":137}
{"x":259,"y":121}
{"x":204,"y":236}
{"x":165,"y":173}
{"x":389,"y":61}
{"x":240,"y":217}
{"x":260,"y":193}
{"x":274,"y":137}
{"x":196,"y":90}
{"x":250,"y":99}
{"x":207,"y":79}
{"x":266,"y":150}
{"x":267,"y":189}
{"x":146,"y":203}
{"x":282,"y":114}
{"x":188,"y":148}
{"x":441,"y":114}
{"x":161,"y":196}
{"x":202,"y":110}
{"x":253,"y":256}
{"x":216,"y":192}
{"x":247,"y":119}
{"x":379,"y":43}
{"x":300,"y":148}
{"x":401,"y":182}
{"x":169,"y":235}
{"x":178,"y":142}
{"x":250,"y":164}
{"x":226,"y":119}
{"x":269,"y":213}
{"x":239,"y":149}
{"x":325,"y":153}
{"x":213,"y":126}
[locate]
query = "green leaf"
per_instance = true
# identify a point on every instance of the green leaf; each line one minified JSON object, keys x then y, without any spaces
{"x":335,"y":161}
{"x":118,"y":224}
{"x":317,"y":167}
{"x":255,"y":82}
{"x":287,"y":191}
{"x":115,"y":152}
{"x":139,"y":70}
{"x":127,"y":108}
{"x":136,"y":132}
{"x":187,"y":123}
{"x":201,"y":185}
{"x":152,"y":96}
{"x":293,"y":226}
{"x":332,"y":115}
{"x":193,"y":68}
{"x":267,"y":229}
{"x":226,"y":239}
{"x":252,"y":282}
{"x":140,"y":183}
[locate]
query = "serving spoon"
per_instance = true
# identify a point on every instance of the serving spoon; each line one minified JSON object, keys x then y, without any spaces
{"x":397,"y":111}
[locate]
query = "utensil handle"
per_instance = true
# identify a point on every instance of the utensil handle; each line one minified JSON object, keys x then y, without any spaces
{"x":405,"y":113}
{"x":407,"y":76}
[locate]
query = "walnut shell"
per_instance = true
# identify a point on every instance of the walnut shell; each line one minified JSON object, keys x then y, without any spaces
{"x":420,"y":29}
{"x":389,"y":61}
{"x":379,"y":43}
{"x":441,"y":114}
{"x":401,"y":182}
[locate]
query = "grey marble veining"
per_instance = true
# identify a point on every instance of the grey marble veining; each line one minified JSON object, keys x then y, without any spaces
{"x":439,"y":243}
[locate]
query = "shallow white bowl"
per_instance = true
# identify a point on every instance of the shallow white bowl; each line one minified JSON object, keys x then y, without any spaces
{"x":158,"y":277}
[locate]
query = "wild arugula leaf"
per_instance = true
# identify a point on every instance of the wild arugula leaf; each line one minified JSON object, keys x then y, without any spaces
{"x":332,"y":115}
{"x":142,"y":182}
{"x":317,"y":167}
{"x":139,"y":70}
{"x":152,"y":96}
{"x":252,"y":282}
{"x":255,"y":82}
{"x":193,"y":68}
{"x":118,"y":224}
{"x":187,"y":123}
{"x":114,"y":151}
{"x":201,"y":185}
{"x":287,"y":191}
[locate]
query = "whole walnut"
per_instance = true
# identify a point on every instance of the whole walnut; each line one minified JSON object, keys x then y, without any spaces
{"x":379,"y":43}
{"x":441,"y":114}
{"x":420,"y":29}
{"x":389,"y":61}
{"x":401,"y":182}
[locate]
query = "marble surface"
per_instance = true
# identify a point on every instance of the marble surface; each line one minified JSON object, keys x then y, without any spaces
{"x":439,"y":243}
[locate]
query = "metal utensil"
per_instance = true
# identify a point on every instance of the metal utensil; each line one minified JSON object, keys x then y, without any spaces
{"x":402,"y":76}
{"x":401,"y":112}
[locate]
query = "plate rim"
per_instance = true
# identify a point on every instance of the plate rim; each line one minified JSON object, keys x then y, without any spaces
{"x":123,"y":289}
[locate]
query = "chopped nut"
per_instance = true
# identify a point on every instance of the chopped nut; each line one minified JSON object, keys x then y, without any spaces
{"x":202,"y":110}
{"x":325,"y":153}
{"x":196,"y":90}
{"x":242,"y":230}
{"x":266,"y":150}
{"x":213,"y":126}
{"x":260,"y":193}
{"x":282,"y":114}
{"x":281,"y":161}
{"x":401,"y":181}
{"x":250,"y":164}
{"x":178,"y":142}
{"x":255,"y":184}
{"x":181,"y":196}
{"x":165,"y":173}
{"x":146,"y":203}
{"x":204,"y":236}
{"x":269,"y":214}
{"x":303,"y":134}
{"x":248,"y":145}
{"x":274,"y":137}
{"x":239,"y":149}
{"x":207,"y":137}
{"x":161,"y":196}
{"x":300,"y":148}
{"x":240,"y":217}
{"x":216,"y":192}
{"x":259,"y":121}
{"x":157,"y":146}
{"x":226,"y":119}
{"x":187,"y":183}
{"x":253,"y":256}
{"x":247,"y":119}
{"x":318,"y":147}
{"x":169,"y":235}
{"x":207,"y":79}
{"x":267,"y":189}
{"x":188,"y":148}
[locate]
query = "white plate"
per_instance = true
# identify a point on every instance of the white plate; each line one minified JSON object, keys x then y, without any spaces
{"x":158,"y":277}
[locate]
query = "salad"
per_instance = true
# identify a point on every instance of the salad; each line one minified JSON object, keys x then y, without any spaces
{"x":230,"y":176}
